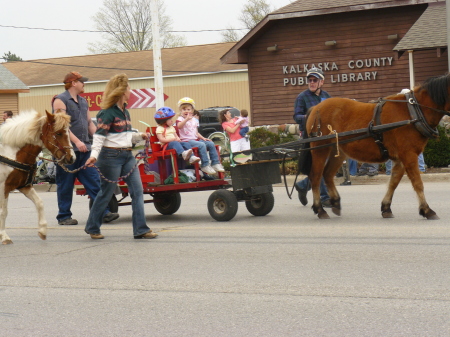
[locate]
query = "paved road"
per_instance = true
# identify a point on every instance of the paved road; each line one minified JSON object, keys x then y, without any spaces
{"x":285,"y":274}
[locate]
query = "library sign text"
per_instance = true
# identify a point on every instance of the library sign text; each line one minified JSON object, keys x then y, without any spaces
{"x":358,"y":70}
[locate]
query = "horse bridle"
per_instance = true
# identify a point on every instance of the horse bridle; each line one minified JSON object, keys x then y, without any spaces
{"x":57,"y":145}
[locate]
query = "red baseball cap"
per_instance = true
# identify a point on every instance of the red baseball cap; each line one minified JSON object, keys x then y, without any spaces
{"x":74,"y":76}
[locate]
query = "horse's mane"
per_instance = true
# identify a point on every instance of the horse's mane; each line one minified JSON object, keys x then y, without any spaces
{"x":26,"y":127}
{"x":437,"y":88}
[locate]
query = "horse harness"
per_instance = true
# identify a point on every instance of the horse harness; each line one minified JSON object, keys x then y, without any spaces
{"x":415,"y":113}
{"x":29,"y":168}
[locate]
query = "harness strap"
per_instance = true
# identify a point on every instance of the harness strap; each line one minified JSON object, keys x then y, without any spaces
{"x":378,"y":136}
{"x":29,"y":168}
{"x":416,"y":113}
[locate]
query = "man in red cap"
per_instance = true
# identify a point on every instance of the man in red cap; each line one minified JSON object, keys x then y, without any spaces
{"x":81,"y":126}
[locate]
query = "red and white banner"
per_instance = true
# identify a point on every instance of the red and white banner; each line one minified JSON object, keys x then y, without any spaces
{"x":139,"y":99}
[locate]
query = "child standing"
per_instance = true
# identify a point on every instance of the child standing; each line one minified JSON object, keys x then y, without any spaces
{"x":167,"y":134}
{"x":244,"y":124}
{"x":188,"y":127}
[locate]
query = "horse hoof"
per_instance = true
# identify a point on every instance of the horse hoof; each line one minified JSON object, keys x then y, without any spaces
{"x":387,"y":215}
{"x":433,"y":217}
{"x":323,"y":215}
{"x":7,"y":242}
{"x":42,"y":236}
{"x":336,"y":211}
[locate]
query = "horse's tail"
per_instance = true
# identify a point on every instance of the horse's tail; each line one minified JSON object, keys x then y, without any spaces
{"x":305,"y":158}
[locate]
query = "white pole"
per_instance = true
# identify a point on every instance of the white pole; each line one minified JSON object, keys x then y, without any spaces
{"x":412,"y":80}
{"x":157,"y":64}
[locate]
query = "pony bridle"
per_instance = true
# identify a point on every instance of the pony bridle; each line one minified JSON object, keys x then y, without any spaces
{"x":57,"y":145}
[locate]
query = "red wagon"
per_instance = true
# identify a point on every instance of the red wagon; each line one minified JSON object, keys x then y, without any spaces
{"x":249,"y":185}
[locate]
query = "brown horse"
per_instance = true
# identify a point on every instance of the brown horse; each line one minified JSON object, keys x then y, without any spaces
{"x":22,"y":138}
{"x":402,"y":145}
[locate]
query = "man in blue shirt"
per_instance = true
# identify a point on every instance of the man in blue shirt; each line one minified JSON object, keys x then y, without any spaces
{"x":305,"y":100}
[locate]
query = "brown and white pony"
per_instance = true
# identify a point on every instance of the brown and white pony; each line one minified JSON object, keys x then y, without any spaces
{"x":22,"y":138}
{"x":425,"y":108}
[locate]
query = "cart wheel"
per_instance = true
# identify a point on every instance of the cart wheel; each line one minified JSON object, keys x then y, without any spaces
{"x":113,"y":204}
{"x":261,"y":204}
{"x":222,"y":205}
{"x":167,"y":203}
{"x":220,"y":139}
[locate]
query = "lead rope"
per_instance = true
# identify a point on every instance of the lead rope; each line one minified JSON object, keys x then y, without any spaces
{"x":333,"y":132}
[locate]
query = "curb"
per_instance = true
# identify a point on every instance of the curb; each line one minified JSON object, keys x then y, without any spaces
{"x":364,"y":180}
{"x":375,"y":180}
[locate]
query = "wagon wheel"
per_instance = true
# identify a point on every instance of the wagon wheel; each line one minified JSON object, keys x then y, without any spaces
{"x":261,"y":204}
{"x":167,"y":203}
{"x":113,"y":204}
{"x":219,"y":138}
{"x":222,"y":205}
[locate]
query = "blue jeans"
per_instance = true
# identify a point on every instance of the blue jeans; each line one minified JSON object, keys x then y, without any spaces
{"x":203,"y":148}
{"x":306,"y":185}
{"x":180,"y":147}
{"x":113,"y":164}
{"x":89,"y":177}
{"x":352,"y":166}
{"x":243,"y":131}
{"x":420,"y":160}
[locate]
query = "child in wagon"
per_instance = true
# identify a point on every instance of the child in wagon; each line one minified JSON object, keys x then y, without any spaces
{"x":188,"y":127}
{"x":167,"y":134}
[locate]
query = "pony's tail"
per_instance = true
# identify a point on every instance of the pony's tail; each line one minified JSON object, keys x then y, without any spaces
{"x":305,"y":158}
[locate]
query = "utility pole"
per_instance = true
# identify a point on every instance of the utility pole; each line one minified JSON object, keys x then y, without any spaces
{"x":157,"y":63}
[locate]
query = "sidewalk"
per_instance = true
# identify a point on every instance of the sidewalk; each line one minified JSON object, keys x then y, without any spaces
{"x":378,"y":179}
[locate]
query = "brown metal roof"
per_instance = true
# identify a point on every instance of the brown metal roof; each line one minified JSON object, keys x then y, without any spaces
{"x":429,"y":31}
{"x":139,"y":64}
{"x":305,"y":8}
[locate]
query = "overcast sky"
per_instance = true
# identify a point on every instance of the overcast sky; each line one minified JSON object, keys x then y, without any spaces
{"x":32,"y":44}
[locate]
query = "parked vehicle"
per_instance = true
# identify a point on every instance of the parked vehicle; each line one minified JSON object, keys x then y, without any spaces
{"x":209,"y":119}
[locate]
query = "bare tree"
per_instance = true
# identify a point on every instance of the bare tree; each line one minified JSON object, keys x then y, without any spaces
{"x":252,"y":13}
{"x":127,"y":26}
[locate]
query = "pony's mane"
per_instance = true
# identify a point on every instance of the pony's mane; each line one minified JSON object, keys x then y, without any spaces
{"x":437,"y":88}
{"x":26,"y":127}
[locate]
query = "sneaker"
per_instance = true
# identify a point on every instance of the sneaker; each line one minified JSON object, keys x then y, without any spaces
{"x":326,"y":203}
{"x":148,"y":235}
{"x":194,"y":159}
{"x":361,"y":173}
{"x":110,"y":217}
{"x":97,"y":236}
{"x":208,"y":169}
{"x":218,"y":168}
{"x":302,"y":195}
{"x":373,"y":173}
{"x":187,"y":154}
{"x":68,"y":222}
{"x":346,"y":183}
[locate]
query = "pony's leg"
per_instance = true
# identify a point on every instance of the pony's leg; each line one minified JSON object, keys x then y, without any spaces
{"x":319,"y":158}
{"x":412,"y":170}
{"x":332,"y":166}
{"x":396,"y":176}
{"x":3,"y":213}
{"x":31,"y":194}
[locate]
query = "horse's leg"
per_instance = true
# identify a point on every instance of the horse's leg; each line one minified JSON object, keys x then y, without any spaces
{"x":332,"y":166}
{"x":3,"y":213}
{"x":31,"y":194}
{"x":396,"y":176}
{"x":412,"y":170}
{"x":319,"y":158}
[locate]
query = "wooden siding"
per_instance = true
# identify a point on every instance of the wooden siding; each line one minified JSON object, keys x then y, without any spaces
{"x":9,"y":102}
{"x":359,"y":36}
{"x":207,"y":90}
